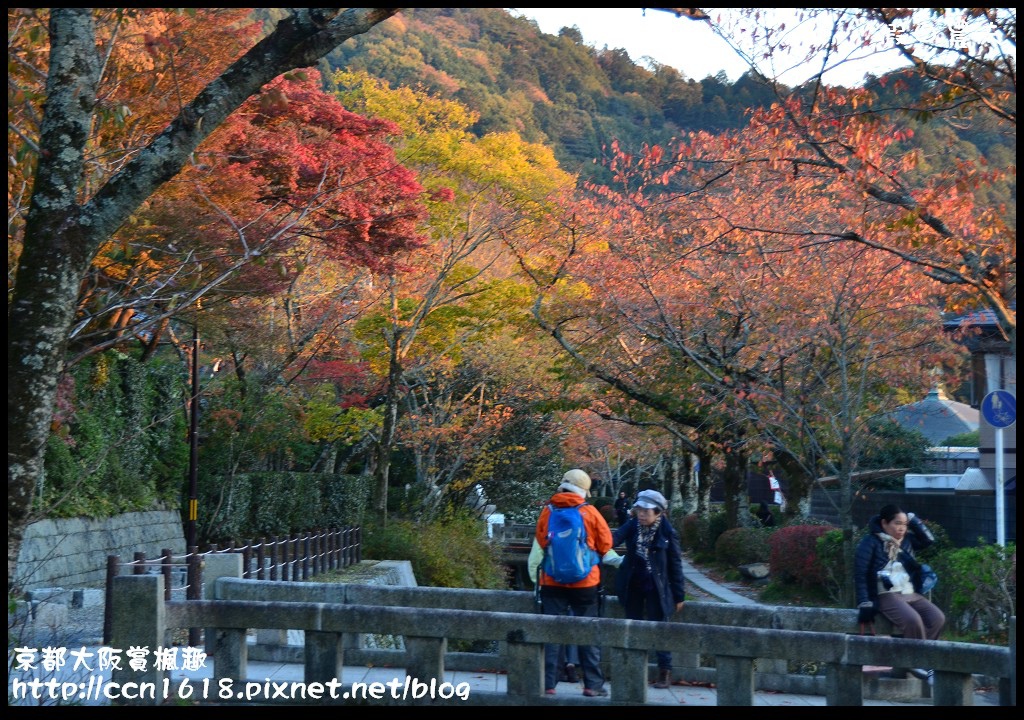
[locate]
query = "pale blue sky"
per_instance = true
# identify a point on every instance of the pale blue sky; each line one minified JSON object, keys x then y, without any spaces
{"x":693,"y":49}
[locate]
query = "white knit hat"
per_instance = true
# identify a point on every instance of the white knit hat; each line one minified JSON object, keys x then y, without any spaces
{"x":576,"y":481}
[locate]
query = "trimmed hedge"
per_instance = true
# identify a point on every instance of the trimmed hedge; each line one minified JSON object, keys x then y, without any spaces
{"x":279,"y":503}
{"x":451,"y":553}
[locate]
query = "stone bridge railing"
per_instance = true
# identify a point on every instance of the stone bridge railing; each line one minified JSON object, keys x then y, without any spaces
{"x":737,"y":637}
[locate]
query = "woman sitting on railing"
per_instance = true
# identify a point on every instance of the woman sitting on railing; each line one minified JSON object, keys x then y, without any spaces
{"x":883,"y":565}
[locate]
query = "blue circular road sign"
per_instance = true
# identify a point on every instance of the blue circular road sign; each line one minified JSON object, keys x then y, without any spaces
{"x":999,"y":408}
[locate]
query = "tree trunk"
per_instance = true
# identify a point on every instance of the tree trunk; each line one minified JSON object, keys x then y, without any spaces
{"x":387,"y":433}
{"x":736,"y":495}
{"x":704,"y":479}
{"x":62,"y":237}
{"x":798,"y":487}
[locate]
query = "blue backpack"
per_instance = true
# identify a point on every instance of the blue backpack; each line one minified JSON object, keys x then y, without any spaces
{"x":567,"y":558}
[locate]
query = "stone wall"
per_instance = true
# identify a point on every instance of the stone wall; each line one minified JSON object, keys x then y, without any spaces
{"x":73,"y":552}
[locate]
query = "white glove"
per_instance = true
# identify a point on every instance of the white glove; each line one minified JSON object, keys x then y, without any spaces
{"x":612,"y":558}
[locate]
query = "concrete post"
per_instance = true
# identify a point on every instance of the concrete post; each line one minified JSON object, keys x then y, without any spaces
{"x":630,"y":685}
{"x":525,"y":669}
{"x":218,"y":565}
{"x":425,"y":658}
{"x":138,"y":620}
{"x":735,"y":676}
{"x":324,"y":656}
{"x":230,"y":653}
{"x":844,"y":685}
{"x":953,"y":688}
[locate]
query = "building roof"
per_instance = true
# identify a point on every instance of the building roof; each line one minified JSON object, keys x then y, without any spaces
{"x":937,"y":417}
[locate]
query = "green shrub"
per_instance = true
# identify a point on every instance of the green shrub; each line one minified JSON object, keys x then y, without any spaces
{"x":794,"y":555}
{"x":257,"y":505}
{"x":717,"y":524}
{"x":689,"y":531}
{"x":450,"y":553}
{"x":699,"y":534}
{"x":837,"y":575}
{"x":118,"y":442}
{"x":977,"y":588}
{"x":965,"y":439}
{"x":740,"y":546}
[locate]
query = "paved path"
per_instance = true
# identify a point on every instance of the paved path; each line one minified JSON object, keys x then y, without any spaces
{"x":461,"y":683}
{"x":716,"y":591}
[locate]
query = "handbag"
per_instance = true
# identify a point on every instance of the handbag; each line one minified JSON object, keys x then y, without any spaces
{"x":926,"y":578}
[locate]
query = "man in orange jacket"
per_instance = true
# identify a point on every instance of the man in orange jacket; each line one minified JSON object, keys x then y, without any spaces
{"x":582,"y":596}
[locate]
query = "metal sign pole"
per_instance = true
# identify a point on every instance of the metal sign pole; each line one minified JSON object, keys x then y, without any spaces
{"x":1000,"y":495}
{"x":999,"y":408}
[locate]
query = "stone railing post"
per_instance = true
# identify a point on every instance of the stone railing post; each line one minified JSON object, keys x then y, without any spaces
{"x":735,"y":680}
{"x":218,"y":565}
{"x":323,"y":655}
{"x":425,"y":658}
{"x":844,"y":685}
{"x":630,"y":668}
{"x":138,"y":620}
{"x":525,"y":669}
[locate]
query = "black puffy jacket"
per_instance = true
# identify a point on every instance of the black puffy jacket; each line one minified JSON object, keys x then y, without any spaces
{"x":871,"y":556}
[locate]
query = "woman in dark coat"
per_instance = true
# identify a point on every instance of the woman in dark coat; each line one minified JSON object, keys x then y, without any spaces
{"x":649,"y":582}
{"x":885,"y":572}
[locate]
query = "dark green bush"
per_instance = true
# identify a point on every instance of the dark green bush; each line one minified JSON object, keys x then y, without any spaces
{"x":837,"y":576}
{"x":699,"y":534}
{"x":740,"y":546}
{"x":717,"y":524}
{"x":279,"y":503}
{"x":689,"y":531}
{"x":977,"y":588}
{"x":450,"y":553}
{"x":794,"y":555}
{"x":965,"y":439}
{"x":118,"y":442}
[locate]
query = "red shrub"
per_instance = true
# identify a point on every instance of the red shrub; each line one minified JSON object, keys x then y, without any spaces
{"x":794,"y":556}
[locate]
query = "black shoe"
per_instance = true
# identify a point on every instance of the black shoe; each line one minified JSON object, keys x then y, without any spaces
{"x":598,"y":692}
{"x":570,"y":674}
